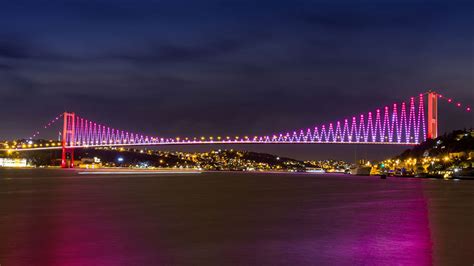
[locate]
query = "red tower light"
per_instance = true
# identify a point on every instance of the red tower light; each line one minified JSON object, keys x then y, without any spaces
{"x":68,"y":140}
{"x":433,"y":115}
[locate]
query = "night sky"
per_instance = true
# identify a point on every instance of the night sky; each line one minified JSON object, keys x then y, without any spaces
{"x":199,"y":68}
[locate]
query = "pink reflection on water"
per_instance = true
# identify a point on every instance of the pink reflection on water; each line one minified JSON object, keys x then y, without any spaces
{"x":91,"y":234}
{"x":391,"y":229}
{"x":305,"y":221}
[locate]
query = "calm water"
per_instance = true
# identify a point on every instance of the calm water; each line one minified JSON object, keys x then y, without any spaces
{"x":59,"y":218}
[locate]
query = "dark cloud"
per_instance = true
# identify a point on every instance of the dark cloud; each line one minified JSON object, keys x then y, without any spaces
{"x":384,"y":15}
{"x":361,"y":18}
{"x":5,"y":67}
{"x":168,"y":53}
{"x":13,"y":49}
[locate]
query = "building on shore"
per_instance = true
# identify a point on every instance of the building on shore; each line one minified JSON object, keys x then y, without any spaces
{"x":13,"y":162}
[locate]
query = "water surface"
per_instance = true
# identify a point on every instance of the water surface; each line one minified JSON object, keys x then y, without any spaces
{"x":55,"y":217}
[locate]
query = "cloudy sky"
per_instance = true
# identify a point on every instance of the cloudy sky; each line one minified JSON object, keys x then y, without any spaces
{"x":193,"y":68}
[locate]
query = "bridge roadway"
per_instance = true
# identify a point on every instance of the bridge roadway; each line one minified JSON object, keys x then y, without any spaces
{"x":224,"y":142}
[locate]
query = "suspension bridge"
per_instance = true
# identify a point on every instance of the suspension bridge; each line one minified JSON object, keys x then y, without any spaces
{"x":404,"y":123}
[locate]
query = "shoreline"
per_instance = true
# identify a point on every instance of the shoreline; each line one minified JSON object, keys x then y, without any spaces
{"x":137,"y":171}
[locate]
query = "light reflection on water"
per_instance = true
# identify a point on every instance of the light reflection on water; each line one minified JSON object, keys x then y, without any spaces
{"x":215,"y":219}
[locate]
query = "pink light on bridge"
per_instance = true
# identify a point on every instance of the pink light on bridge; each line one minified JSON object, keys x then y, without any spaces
{"x":46,"y":126}
{"x":399,"y":123}
{"x":457,"y":104}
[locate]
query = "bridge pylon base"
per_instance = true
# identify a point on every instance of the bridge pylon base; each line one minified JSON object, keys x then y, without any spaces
{"x":65,"y":161}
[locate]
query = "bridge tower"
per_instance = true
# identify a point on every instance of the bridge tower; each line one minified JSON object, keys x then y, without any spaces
{"x":432,"y":115}
{"x":68,"y":140}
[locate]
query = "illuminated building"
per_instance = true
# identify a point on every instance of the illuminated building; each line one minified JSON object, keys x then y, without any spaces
{"x":9,"y":162}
